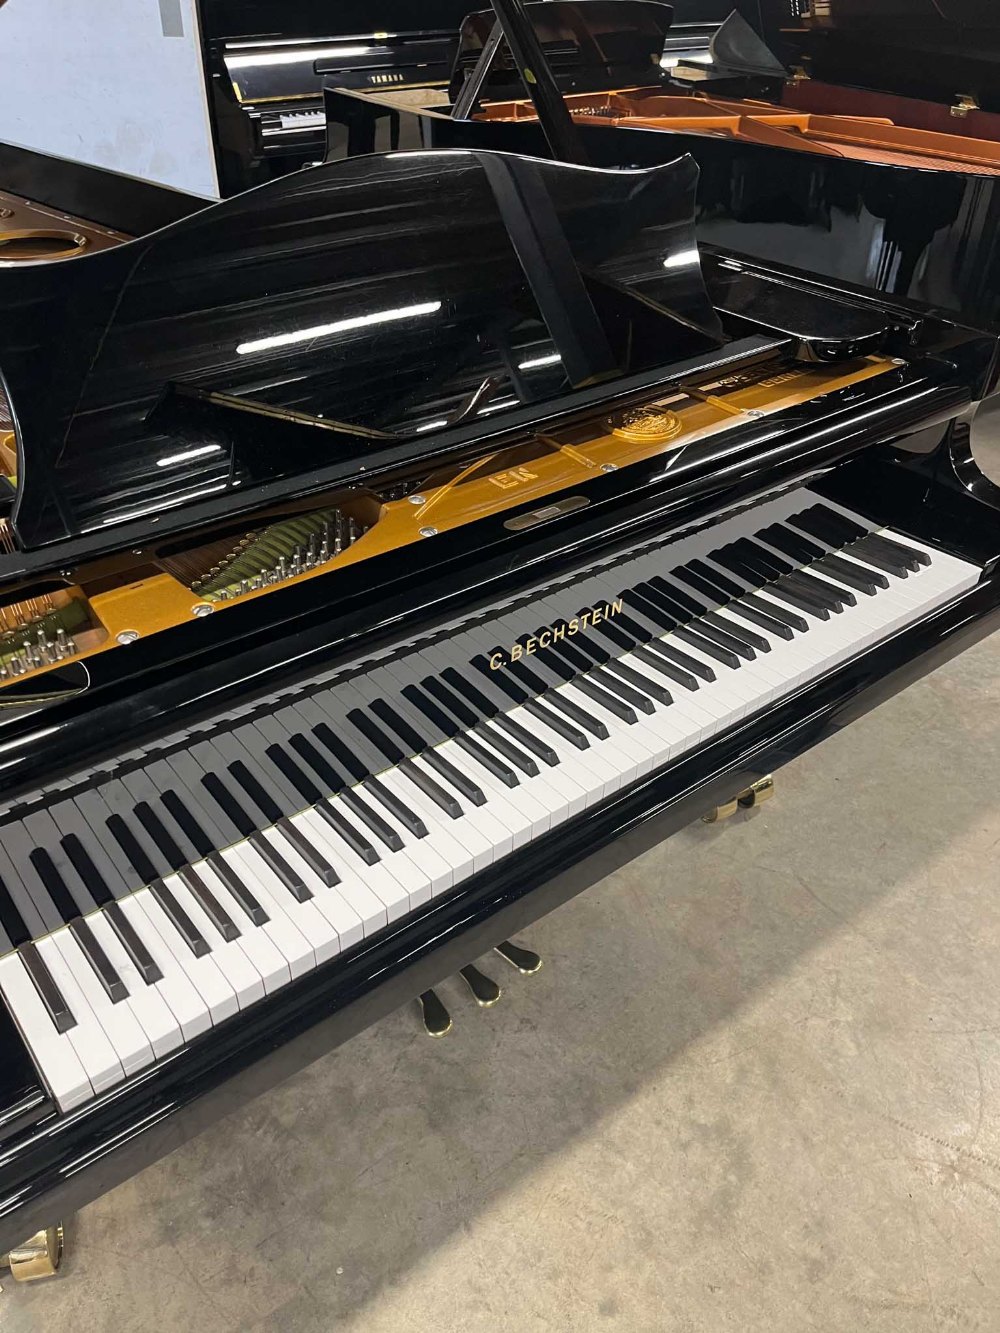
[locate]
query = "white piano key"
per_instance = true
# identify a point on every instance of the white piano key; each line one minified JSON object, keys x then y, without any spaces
{"x":246,"y":982}
{"x":453,"y":854}
{"x":163,"y":1032}
{"x":117,"y":1021}
{"x":310,"y":923}
{"x":52,"y":1051}
{"x":254,"y":940}
{"x":184,"y":1000}
{"x":368,"y":907}
{"x":96,"y":1053}
{"x":203,"y":973}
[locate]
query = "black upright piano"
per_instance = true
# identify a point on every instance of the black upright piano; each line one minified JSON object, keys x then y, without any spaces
{"x":386,"y":555}
{"x":856,"y":141}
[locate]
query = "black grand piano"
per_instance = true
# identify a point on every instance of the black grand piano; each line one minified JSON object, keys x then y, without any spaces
{"x":386,"y":555}
{"x":857,"y":141}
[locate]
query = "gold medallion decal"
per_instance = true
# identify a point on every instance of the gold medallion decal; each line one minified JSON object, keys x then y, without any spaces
{"x":646,"y":425}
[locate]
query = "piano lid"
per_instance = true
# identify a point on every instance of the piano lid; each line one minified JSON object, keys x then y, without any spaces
{"x":934,"y":50}
{"x":334,"y":321}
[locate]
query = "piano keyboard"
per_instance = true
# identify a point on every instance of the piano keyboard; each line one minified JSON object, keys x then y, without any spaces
{"x":201,"y":876}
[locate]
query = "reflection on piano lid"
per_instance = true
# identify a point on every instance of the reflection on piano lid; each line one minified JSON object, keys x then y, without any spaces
{"x":833,"y":142}
{"x":531,"y":535}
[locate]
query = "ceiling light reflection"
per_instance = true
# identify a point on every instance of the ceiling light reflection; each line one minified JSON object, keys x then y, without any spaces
{"x":339,"y":326}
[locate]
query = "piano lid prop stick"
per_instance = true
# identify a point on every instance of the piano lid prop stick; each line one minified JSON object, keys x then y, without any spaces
{"x":553,"y":116}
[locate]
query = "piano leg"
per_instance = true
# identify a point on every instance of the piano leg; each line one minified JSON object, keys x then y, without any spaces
{"x":749,"y":799}
{"x":38,"y":1257}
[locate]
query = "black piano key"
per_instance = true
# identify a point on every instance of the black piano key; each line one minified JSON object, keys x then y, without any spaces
{"x":640,"y":681}
{"x":790,"y":619}
{"x":589,"y":641}
{"x":692,"y":605}
{"x":133,"y":850}
{"x":869,"y":554}
{"x":904,"y":557}
{"x":277,"y":863}
{"x":374,"y":822}
{"x":454,"y":703}
{"x":310,"y":854}
{"x":715,"y":578}
{"x":618,"y":636}
{"x":44,"y":832}
{"x":506,"y":747}
{"x":153,"y":825}
{"x":867,"y":581}
{"x":684,"y":660}
{"x":48,"y":992}
{"x":672,"y":611}
{"x":611,"y":703}
{"x":99,"y":961}
{"x":120,"y":807}
{"x":837,"y":597}
{"x":473,"y":793}
{"x":725,"y":637}
{"x":228,"y":804}
{"x":397,"y":807}
{"x":558,"y":723}
{"x":11,"y":921}
{"x":255,"y":791}
{"x":910,"y":553}
{"x":244,"y":753}
{"x":352,"y":700}
{"x":182,"y":816}
{"x":85,"y":868}
{"x":647,"y":654}
{"x":762,"y":618}
{"x":632,"y":626}
{"x":615,"y":683}
{"x":377,"y":734}
{"x":792,"y":543}
{"x":186,"y":771}
{"x":179,"y":919}
{"x":209,"y":904}
{"x":487,"y":759}
{"x":528,"y":677}
{"x":445,"y":726}
{"x":740,"y":631}
{"x":764,"y":556}
{"x":144,"y":962}
{"x":239,"y":890}
{"x":711,"y":595}
{"x":143,"y":790}
{"x":795,"y":597}
{"x":486,"y":704}
{"x":754,"y":573}
{"x":320,"y":765}
{"x":705,"y":645}
{"x":527,"y":740}
{"x":814,"y":524}
{"x":341,"y":752}
{"x":845,"y":527}
{"x":63,"y":900}
{"x":431,"y":789}
{"x":355,"y":839}
{"x":566,"y":661}
{"x":503,"y":679}
{"x":656,"y":615}
{"x":294,"y":774}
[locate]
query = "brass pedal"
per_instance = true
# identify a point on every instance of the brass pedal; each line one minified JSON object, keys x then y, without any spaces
{"x":38,"y":1257}
{"x":437,"y":1020}
{"x":526,"y":961}
{"x":485,"y":990}
{"x":756,"y":794}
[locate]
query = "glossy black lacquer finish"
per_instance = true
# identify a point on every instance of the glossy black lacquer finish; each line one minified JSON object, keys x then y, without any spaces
{"x":922,"y":236}
{"x":67,"y":1161}
{"x":370,"y":298}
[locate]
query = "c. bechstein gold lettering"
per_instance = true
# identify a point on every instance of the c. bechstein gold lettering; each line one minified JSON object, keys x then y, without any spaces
{"x":555,"y":633}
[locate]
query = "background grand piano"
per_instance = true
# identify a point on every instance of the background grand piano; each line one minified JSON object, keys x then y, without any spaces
{"x":910,"y":209}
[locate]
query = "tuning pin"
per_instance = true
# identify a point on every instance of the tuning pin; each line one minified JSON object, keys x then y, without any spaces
{"x":485,"y":990}
{"x":526,"y":961}
{"x":437,"y":1019}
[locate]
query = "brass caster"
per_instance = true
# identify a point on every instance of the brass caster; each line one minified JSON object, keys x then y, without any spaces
{"x":485,"y":990}
{"x":757,"y":793}
{"x":437,"y":1020}
{"x":721,"y":812}
{"x":38,"y":1257}
{"x":526,"y":961}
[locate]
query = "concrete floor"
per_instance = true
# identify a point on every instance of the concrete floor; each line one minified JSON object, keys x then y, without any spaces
{"x":755,"y":1087}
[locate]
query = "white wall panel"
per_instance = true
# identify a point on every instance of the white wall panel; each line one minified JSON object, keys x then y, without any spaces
{"x":114,"y":83}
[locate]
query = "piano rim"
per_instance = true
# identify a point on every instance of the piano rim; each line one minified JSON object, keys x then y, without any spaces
{"x":71,"y":1160}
